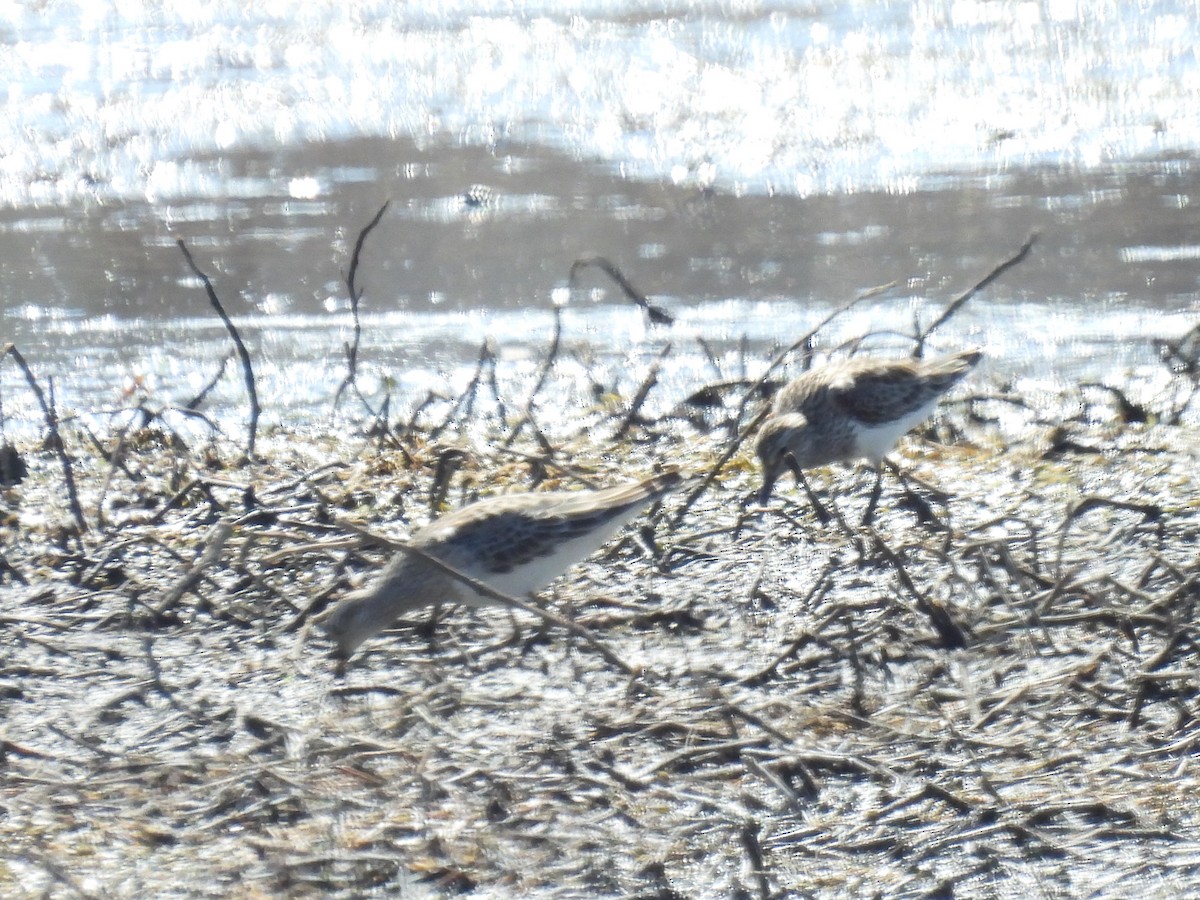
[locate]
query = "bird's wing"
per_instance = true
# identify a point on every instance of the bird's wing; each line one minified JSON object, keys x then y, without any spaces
{"x":885,"y":391}
{"x":505,"y":532}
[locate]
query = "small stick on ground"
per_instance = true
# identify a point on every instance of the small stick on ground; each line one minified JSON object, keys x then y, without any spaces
{"x":243,"y":353}
{"x":950,"y":633}
{"x":53,"y":435}
{"x":214,"y":544}
{"x":643,"y":391}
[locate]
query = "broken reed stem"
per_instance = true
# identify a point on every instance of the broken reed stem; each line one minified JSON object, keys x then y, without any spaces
{"x":951,"y":635}
{"x":551,"y":358}
{"x":635,"y":406}
{"x":214,"y":543}
{"x":526,"y":417}
{"x":658,"y":316}
{"x":486,"y":590}
{"x":966,"y":295}
{"x":114,"y":461}
{"x":351,"y":379}
{"x":195,"y":402}
{"x":711,"y":475}
{"x":243,"y":353}
{"x":466,"y":400}
{"x":55,"y":439}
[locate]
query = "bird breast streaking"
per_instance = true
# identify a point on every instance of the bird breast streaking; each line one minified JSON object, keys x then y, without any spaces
{"x":516,"y":544}
{"x":851,"y":409}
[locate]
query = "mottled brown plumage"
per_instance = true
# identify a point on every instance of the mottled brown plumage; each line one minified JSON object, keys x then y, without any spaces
{"x":516,"y":544}
{"x":851,"y":409}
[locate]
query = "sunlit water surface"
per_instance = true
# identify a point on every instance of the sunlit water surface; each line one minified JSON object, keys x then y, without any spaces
{"x":750,"y":165}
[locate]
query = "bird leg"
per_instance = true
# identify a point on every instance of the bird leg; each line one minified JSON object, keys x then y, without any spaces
{"x":825,"y":514}
{"x":919,"y":504}
{"x":869,"y":515}
{"x":428,"y":628}
{"x":821,"y":512}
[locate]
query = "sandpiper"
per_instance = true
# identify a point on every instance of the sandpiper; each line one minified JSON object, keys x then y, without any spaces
{"x":851,"y":409}
{"x":516,"y":544}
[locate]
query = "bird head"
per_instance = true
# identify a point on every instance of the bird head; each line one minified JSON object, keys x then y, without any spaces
{"x":783,"y":440}
{"x":352,"y":622}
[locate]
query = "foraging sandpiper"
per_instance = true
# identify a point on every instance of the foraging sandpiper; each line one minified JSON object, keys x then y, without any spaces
{"x":850,"y":409}
{"x":516,"y":544}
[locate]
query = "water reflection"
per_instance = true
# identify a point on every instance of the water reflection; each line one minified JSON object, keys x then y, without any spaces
{"x":452,"y":264}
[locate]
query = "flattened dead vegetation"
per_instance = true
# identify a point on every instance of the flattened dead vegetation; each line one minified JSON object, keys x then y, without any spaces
{"x":990,"y":692}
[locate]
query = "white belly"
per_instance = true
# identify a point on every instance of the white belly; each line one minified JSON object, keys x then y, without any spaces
{"x":874,"y":443}
{"x":542,"y":570}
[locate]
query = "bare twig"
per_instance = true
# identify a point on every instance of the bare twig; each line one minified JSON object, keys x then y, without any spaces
{"x":551,"y":358}
{"x":526,"y":417}
{"x":53,"y":436}
{"x":466,"y":400}
{"x":658,"y":316}
{"x":950,"y":633}
{"x":194,"y":403}
{"x":711,"y":475}
{"x":966,"y":295}
{"x":351,"y":379}
{"x":214,"y":544}
{"x":635,"y":406}
{"x":243,"y":353}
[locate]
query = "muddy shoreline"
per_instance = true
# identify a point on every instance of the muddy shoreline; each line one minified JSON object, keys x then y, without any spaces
{"x":173,"y":725}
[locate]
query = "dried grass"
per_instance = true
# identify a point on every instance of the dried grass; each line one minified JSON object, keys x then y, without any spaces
{"x":990,"y":693}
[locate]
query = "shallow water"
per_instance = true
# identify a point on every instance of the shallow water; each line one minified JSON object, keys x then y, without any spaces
{"x":750,"y":166}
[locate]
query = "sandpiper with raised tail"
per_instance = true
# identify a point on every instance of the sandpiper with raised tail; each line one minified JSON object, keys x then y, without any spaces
{"x":850,"y":409}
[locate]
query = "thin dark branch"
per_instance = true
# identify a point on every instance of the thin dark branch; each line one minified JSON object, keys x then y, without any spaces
{"x":658,"y":316}
{"x":466,"y":400}
{"x":243,"y":353}
{"x":351,"y":378}
{"x":351,"y":284}
{"x":53,"y":435}
{"x":635,"y":406}
{"x":195,"y":402}
{"x":966,"y":295}
{"x":951,"y":635}
{"x":526,"y":417}
{"x":711,"y":475}
{"x":1150,"y":512}
{"x":551,"y":358}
